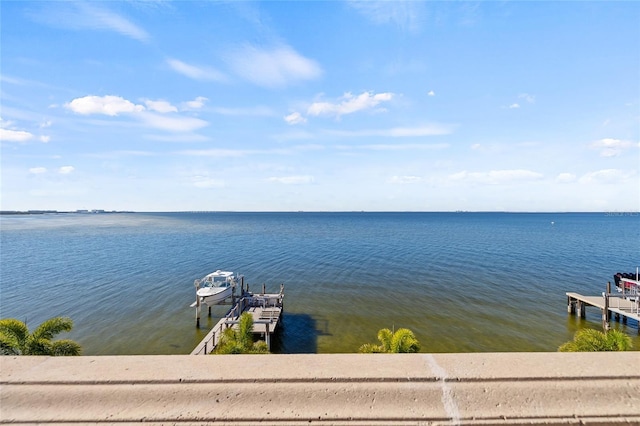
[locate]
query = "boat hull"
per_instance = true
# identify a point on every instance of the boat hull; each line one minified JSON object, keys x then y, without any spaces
{"x":213,"y":296}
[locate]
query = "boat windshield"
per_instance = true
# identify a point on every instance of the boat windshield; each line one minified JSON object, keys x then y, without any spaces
{"x":217,"y":281}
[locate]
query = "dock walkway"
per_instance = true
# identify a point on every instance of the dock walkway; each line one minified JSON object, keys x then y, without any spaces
{"x":266,"y":310}
{"x":624,"y":306}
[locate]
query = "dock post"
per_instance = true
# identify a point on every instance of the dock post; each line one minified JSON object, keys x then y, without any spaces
{"x":571,"y":307}
{"x":607,"y":301}
{"x":281,"y":299}
{"x":267,"y":337}
{"x":196,"y":284}
{"x":263,"y":288}
{"x":582,"y":308}
{"x":605,"y":312}
{"x":209,"y":311}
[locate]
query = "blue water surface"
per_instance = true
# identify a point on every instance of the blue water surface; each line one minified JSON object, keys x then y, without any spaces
{"x":461,"y":281}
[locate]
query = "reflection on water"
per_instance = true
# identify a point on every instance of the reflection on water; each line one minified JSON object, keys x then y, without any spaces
{"x":461,"y":282}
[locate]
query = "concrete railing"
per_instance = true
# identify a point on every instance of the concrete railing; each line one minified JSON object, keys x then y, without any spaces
{"x":479,"y":388}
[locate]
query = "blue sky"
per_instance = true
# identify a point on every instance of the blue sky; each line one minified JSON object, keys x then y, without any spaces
{"x":324,"y":106}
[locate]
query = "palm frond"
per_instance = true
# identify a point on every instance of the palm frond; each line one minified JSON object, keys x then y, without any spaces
{"x":38,"y":346}
{"x":240,"y":340}
{"x":589,"y":340}
{"x":369,"y":348}
{"x":404,"y":341}
{"x":385,"y":336}
{"x":53,"y":326}
{"x":65,"y":347}
{"x":401,"y":341}
{"x":618,"y":341}
{"x":9,"y":345}
{"x":16,"y":330}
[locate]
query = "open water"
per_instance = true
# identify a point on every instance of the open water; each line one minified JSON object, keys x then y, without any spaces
{"x":463,"y":282}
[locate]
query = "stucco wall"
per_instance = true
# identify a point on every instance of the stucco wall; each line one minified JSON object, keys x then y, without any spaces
{"x":496,"y":388}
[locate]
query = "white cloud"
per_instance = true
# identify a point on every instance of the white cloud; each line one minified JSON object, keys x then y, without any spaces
{"x":178,"y":137}
{"x":405,"y":147}
{"x":207,"y":182}
{"x":45,"y":124}
{"x":292,"y":180}
{"x":14,"y":135}
{"x":86,"y":15}
{"x":295,"y":118}
{"x":195,"y":72}
{"x":197,"y":103}
{"x":610,"y":147}
{"x":102,"y":18}
{"x":172,"y":123}
{"x":349,"y":104}
{"x":274,"y":67}
{"x":107,"y":105}
{"x":121,"y":154}
{"x":407,"y":15}
{"x":565,"y":178}
{"x":496,"y":177}
{"x":259,"y":111}
{"x":397,"y":132}
{"x":160,"y":106}
{"x":293,"y":135}
{"x":402,"y":132}
{"x":607,"y":176}
{"x":527,"y":97}
{"x":65,"y":170}
{"x":115,"y":105}
{"x":524,"y":96}
{"x":405,"y":179}
{"x":431,"y":93}
{"x":216,"y":153}
{"x":37,"y":170}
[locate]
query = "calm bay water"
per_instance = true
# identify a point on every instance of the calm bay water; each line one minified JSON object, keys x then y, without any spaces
{"x":463,"y":282}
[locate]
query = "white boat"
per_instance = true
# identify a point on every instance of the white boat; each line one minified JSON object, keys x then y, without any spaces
{"x":215,"y":287}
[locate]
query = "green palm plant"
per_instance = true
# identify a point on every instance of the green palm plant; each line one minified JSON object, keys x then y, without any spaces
{"x":589,"y":340}
{"x":15,"y":338}
{"x":240,"y":340}
{"x":401,"y":341}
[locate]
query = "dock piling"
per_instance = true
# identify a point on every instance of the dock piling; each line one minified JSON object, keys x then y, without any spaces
{"x":571,"y":305}
{"x":605,"y":312}
{"x":196,"y":284}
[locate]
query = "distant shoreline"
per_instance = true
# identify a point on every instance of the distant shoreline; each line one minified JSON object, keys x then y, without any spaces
{"x":41,"y":212}
{"x":31,"y":212}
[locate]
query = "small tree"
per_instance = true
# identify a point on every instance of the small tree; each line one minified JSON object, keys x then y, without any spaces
{"x":15,"y":338}
{"x":240,"y":341}
{"x":401,"y":341}
{"x":589,"y":340}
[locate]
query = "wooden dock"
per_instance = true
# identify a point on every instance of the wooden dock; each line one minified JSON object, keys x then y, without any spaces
{"x":266,"y":310}
{"x":623,"y":306}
